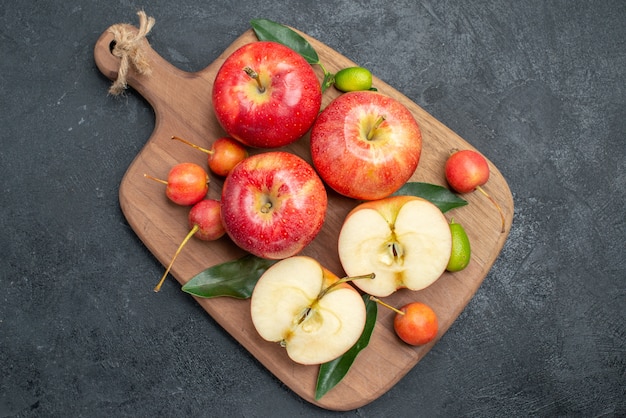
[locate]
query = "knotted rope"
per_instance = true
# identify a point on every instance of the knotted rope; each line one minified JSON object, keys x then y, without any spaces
{"x":127,"y":48}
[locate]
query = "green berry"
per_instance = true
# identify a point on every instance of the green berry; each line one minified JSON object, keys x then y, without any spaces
{"x":461,"y":250}
{"x":353,"y":79}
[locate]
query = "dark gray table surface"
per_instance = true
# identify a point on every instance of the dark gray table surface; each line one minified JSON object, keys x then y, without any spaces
{"x":539,"y":87}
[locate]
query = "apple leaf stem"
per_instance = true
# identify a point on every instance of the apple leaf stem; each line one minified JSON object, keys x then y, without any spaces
{"x":329,"y":78}
{"x":344,"y":280}
{"x":480,"y":189}
{"x":373,"y":129}
{"x":208,"y":151}
{"x":148,"y":176}
{"x":192,"y":231}
{"x":254,"y":75}
{"x":386,"y":305}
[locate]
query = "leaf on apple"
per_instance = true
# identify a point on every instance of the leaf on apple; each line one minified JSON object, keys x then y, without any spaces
{"x":332,"y":372}
{"x":267,"y":30}
{"x":440,"y":196}
{"x":235,"y":278}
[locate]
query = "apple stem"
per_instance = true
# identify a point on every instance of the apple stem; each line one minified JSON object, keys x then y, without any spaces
{"x":208,"y":151}
{"x":386,"y":305}
{"x":253,"y":74}
{"x":344,"y":280}
{"x":180,"y":247}
{"x":266,"y":207}
{"x":372,"y":131}
{"x":155,"y":179}
{"x":480,"y":189}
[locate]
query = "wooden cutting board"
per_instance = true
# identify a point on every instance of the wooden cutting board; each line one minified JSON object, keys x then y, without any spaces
{"x":182,"y":105}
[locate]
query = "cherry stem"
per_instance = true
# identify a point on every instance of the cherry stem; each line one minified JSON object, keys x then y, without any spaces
{"x":386,"y":305}
{"x":180,"y":247}
{"x":344,"y":280}
{"x":208,"y":151}
{"x":480,"y":189}
{"x":253,"y":74}
{"x":372,"y":130}
{"x":148,"y":176}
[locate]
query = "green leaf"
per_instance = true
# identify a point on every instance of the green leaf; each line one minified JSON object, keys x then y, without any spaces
{"x":267,"y":30}
{"x":235,"y":278}
{"x":332,"y":372}
{"x":440,"y":196}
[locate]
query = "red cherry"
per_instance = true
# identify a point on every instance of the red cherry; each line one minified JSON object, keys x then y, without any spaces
{"x":467,"y":171}
{"x":187,"y":184}
{"x":205,"y":223}
{"x":225,"y":153}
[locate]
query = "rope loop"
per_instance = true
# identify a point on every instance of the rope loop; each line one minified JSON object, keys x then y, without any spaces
{"x":126,"y":45}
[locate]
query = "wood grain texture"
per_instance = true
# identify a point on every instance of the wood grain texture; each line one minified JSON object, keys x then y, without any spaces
{"x":182,"y":106}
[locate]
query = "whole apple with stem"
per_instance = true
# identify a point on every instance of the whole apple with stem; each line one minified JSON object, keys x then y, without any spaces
{"x":404,"y":240}
{"x":186,"y":184}
{"x":365,"y":145}
{"x":266,"y":95}
{"x":415,"y":323}
{"x":273,"y":204}
{"x":466,"y":171}
{"x":205,"y":223}
{"x":224,"y":154}
{"x":312,"y":313}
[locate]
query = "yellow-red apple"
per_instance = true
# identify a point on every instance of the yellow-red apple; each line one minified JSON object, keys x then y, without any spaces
{"x":273,"y":204}
{"x":266,"y":95}
{"x":404,"y":240}
{"x":365,"y":145}
{"x":300,"y":304}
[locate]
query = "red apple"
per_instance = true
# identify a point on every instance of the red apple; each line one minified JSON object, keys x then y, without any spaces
{"x":266,"y":95}
{"x":365,"y":145}
{"x":273,"y":204}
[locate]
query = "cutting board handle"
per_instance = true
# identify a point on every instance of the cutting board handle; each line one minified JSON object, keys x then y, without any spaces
{"x":158,"y":85}
{"x":168,"y":89}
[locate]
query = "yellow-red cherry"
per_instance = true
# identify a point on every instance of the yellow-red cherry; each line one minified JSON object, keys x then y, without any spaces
{"x":416,"y":324}
{"x":224,"y":154}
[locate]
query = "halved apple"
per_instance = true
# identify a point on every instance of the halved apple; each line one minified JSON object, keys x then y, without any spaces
{"x":404,"y":240}
{"x":298,"y":303}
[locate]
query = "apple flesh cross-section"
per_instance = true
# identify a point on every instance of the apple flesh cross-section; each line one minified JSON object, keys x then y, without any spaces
{"x":292,"y":304}
{"x":404,"y":240}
